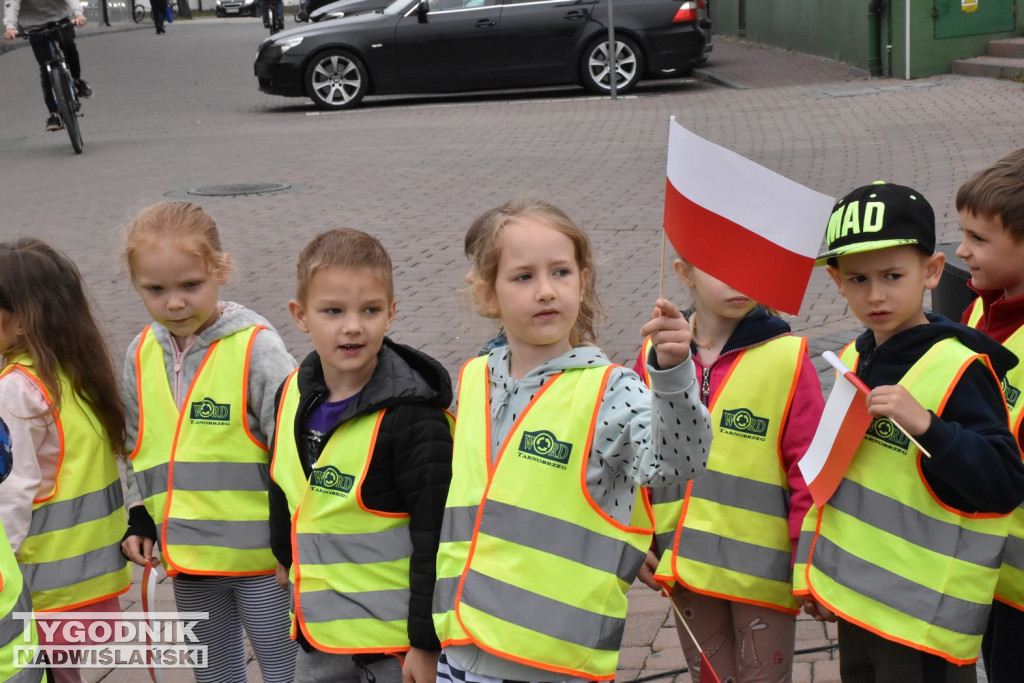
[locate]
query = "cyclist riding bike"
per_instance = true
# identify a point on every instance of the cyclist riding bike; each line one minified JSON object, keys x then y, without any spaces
{"x":278,"y":13}
{"x":33,"y":13}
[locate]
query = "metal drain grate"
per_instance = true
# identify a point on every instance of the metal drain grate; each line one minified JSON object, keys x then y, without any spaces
{"x":237,"y":189}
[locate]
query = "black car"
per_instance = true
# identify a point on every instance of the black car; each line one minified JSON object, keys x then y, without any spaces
{"x":421,"y":46}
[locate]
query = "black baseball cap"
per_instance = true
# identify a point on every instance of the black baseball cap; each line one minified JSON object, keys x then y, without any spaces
{"x":878,"y":216}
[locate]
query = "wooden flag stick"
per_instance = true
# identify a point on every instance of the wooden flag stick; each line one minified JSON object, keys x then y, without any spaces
{"x":685,"y":625}
{"x":661,"y":278}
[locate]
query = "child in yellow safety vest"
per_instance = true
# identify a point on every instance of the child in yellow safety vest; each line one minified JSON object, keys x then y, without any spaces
{"x":362,"y":462}
{"x":545,"y":524}
{"x":16,"y":641}
{"x":62,"y":506}
{"x":905,"y":553}
{"x":991,"y":215}
{"x":199,"y":385}
{"x":726,"y":542}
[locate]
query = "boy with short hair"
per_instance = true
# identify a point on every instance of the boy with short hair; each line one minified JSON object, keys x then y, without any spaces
{"x":905,"y":553}
{"x":991,"y":212}
{"x":361,"y":468}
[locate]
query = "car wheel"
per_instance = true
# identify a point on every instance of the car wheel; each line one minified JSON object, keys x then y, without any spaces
{"x":336,"y":79}
{"x":595,"y":71}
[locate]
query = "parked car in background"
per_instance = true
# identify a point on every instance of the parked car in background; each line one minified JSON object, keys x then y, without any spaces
{"x":248,"y":8}
{"x":433,"y":46}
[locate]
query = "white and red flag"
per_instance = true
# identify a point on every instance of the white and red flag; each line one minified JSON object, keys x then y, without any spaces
{"x":751,"y":228}
{"x":840,"y":432}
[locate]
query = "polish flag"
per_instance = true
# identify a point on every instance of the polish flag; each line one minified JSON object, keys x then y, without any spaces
{"x":747,"y":226}
{"x":840,"y":431}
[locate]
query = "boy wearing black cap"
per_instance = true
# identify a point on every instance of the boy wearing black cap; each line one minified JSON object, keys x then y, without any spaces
{"x":906,"y":551}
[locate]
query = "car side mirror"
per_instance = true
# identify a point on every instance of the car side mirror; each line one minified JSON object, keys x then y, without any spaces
{"x":422,"y":9}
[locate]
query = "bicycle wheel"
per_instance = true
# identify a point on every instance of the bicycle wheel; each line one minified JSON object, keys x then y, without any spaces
{"x":138,"y":12}
{"x":60,"y":81}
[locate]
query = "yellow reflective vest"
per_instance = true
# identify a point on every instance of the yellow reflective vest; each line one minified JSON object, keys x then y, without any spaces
{"x":529,"y":567}
{"x":72,"y":555}
{"x":886,"y":554}
{"x":14,"y":635}
{"x":730,"y":535}
{"x":1010,"y":588}
{"x":350,"y":564}
{"x":202,"y":474}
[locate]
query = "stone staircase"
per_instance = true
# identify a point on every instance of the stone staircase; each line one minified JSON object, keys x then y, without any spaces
{"x":1005,"y":60}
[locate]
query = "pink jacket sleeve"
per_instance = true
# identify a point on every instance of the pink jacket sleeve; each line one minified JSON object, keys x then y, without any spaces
{"x":801,"y":423}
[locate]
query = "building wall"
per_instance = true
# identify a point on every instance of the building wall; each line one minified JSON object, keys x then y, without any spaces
{"x":838,"y":29}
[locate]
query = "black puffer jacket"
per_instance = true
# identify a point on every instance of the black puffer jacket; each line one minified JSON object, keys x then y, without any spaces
{"x":975,"y":465}
{"x":410,"y":469}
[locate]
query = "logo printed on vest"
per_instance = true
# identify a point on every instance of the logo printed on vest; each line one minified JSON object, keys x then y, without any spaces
{"x":1010,"y":393}
{"x":331,"y":480}
{"x":883,"y":432}
{"x":209,"y":412}
{"x":742,"y":422}
{"x":544,"y":448}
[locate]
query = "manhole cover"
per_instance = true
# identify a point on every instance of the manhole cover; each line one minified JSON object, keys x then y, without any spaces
{"x":237,"y":189}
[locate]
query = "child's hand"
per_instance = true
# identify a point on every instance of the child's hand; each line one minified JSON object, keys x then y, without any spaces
{"x":812,"y":608}
{"x":646,"y":573}
{"x":138,"y":549}
{"x":420,"y":666}
{"x":895,"y":402}
{"x":670,"y":334}
{"x":281,"y":574}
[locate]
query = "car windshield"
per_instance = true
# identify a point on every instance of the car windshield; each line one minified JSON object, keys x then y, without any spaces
{"x":397,"y":7}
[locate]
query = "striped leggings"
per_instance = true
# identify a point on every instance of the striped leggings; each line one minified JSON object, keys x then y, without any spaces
{"x":233,"y":602}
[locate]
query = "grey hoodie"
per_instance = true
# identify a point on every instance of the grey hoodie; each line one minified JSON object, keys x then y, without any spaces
{"x":269,"y":365}
{"x":641,"y":439}
{"x":38,"y":12}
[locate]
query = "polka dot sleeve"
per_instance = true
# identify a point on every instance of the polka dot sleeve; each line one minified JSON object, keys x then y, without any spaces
{"x":652,"y":439}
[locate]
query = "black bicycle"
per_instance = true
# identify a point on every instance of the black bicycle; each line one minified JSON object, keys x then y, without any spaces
{"x":138,"y":12}
{"x":62,"y":86}
{"x":275,"y":15}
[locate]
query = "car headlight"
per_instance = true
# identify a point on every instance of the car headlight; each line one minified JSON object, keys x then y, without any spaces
{"x":288,"y":44}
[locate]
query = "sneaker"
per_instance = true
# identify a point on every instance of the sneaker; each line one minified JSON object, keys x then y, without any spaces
{"x":53,"y":123}
{"x":83,"y":89}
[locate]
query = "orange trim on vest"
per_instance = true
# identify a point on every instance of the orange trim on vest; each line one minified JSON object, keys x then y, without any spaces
{"x":245,"y":385}
{"x":366,"y":468}
{"x":138,"y":391}
{"x":16,"y":367}
{"x":286,"y":386}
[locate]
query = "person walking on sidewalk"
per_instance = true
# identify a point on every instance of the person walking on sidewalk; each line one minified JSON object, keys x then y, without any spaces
{"x":33,"y":13}
{"x":159,"y":12}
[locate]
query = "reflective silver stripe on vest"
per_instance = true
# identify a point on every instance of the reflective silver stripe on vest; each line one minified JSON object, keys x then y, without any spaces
{"x":12,"y":629}
{"x":240,"y":535}
{"x":562,"y":539}
{"x":915,"y":527}
{"x":458,"y":523}
{"x":85,"y":508}
{"x":899,"y":593}
{"x":803,"y":545}
{"x":540,"y":614}
{"x":1014,"y":553}
{"x":444,"y":594}
{"x":742,"y":493}
{"x":221,"y":476}
{"x":321,"y":606}
{"x":153,"y":481}
{"x":379,"y":546}
{"x":737,"y":556}
{"x":45,"y":576}
{"x":663,"y":542}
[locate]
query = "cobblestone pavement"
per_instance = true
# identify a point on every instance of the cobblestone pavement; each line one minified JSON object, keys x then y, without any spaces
{"x":181,"y":111}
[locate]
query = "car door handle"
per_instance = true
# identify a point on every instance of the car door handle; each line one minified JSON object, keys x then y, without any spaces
{"x":484,"y":23}
{"x":575,"y":14}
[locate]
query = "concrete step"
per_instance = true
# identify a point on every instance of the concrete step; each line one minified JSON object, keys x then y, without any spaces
{"x":1007,"y":47}
{"x":991,"y":67}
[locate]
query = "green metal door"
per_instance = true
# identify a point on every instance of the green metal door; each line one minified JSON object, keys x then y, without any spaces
{"x":972,"y":17}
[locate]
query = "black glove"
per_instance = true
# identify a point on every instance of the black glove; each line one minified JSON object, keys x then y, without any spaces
{"x":139,"y":524}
